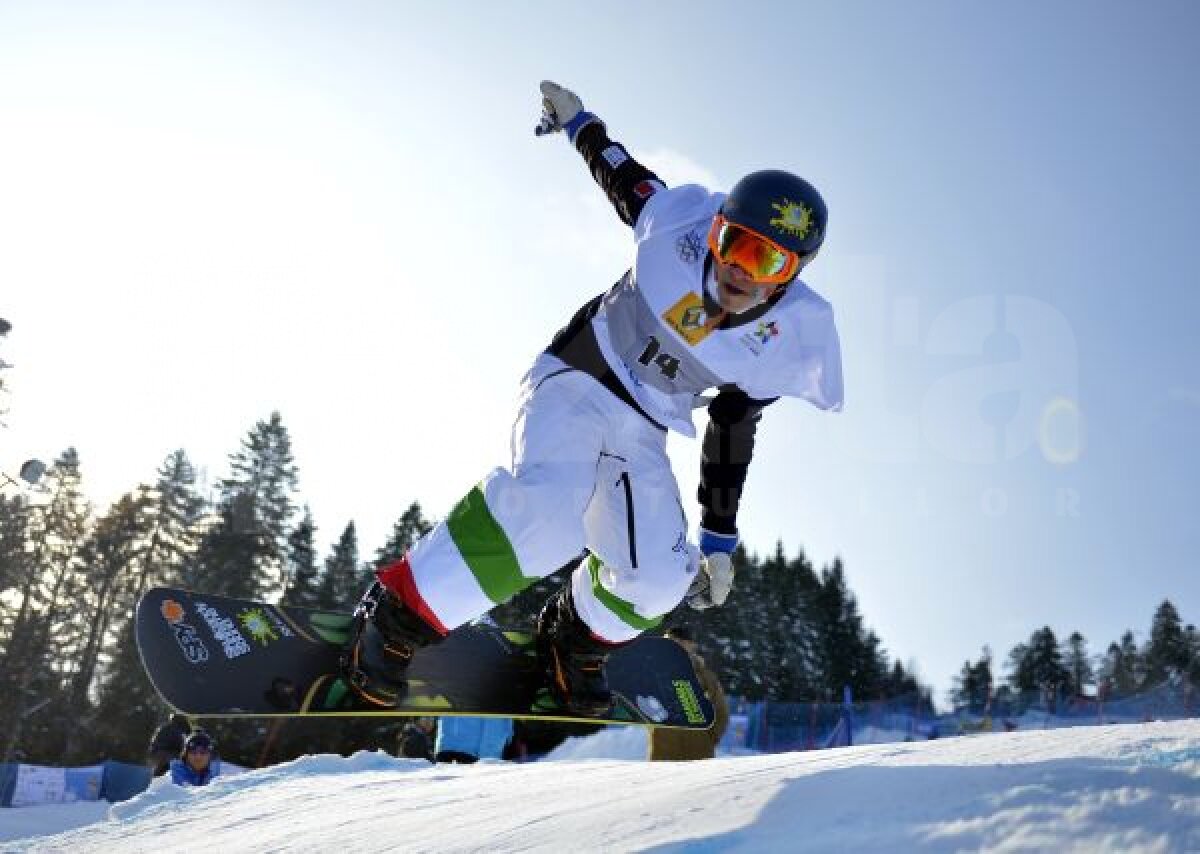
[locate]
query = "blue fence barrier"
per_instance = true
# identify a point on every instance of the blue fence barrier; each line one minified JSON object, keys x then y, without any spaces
{"x":25,"y":785}
{"x":776,"y":726}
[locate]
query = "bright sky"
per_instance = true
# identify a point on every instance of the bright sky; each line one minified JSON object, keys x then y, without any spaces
{"x":212,"y":210}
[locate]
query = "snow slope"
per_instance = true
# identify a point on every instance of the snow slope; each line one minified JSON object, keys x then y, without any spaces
{"x":1115,"y":788}
{"x":49,"y":818}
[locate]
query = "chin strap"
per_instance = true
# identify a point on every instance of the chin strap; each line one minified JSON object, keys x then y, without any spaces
{"x":712,"y":306}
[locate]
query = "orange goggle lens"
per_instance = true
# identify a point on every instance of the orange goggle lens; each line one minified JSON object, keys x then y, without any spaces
{"x":763,"y":260}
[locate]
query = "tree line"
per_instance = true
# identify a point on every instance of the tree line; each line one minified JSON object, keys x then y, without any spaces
{"x":1046,"y":671}
{"x":72,"y":689}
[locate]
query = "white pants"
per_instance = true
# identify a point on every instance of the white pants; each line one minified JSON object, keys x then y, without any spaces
{"x":588,"y":472}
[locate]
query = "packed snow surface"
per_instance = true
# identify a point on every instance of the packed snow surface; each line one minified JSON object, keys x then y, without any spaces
{"x":1114,"y":788}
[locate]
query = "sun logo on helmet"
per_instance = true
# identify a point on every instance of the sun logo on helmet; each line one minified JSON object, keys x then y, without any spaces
{"x":794,"y":219}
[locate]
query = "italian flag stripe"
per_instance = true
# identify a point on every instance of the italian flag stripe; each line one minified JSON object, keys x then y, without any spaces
{"x":485,"y":548}
{"x":623,"y":610}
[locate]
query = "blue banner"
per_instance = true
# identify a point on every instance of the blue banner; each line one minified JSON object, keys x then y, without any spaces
{"x":122,"y":781}
{"x":8,"y":780}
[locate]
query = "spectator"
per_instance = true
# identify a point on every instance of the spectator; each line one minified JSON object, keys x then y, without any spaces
{"x":692,"y":743}
{"x":196,"y":765}
{"x":416,"y":740}
{"x":465,"y":739}
{"x":167,"y":743}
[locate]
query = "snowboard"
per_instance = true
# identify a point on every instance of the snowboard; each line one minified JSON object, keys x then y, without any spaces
{"x":220,"y":657}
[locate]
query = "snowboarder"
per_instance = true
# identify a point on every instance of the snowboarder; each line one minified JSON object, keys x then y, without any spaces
{"x":465,"y":739}
{"x":167,"y":743}
{"x":416,"y":739}
{"x":713,"y":300}
{"x":196,"y":765}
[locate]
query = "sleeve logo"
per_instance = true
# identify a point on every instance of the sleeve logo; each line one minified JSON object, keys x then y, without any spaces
{"x":690,"y":247}
{"x":645,"y":189}
{"x":615,"y":155}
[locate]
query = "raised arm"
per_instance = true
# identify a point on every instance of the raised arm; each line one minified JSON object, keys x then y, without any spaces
{"x":627,"y":183}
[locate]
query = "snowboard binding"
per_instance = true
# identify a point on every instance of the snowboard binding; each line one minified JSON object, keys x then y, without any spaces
{"x":573,"y":658}
{"x":384,"y":636}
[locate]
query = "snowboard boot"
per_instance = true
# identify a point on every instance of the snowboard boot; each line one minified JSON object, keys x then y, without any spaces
{"x":573,"y":657}
{"x":386,"y":633}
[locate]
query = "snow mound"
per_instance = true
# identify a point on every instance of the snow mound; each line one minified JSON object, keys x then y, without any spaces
{"x":162,"y":791}
{"x":1115,"y":788}
{"x":614,"y":742}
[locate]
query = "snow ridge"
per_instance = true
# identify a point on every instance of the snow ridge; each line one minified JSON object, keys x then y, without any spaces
{"x":1115,"y":788}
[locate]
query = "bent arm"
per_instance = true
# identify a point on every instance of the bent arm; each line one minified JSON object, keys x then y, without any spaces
{"x":725,"y":457}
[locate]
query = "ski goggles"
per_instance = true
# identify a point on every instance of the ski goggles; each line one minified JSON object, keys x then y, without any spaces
{"x":765,"y":261}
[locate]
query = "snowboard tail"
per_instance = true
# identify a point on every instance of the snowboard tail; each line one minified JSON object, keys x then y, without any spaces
{"x":223,"y":657}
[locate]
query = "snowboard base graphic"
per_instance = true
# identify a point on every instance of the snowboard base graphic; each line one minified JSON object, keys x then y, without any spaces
{"x":220,"y":657}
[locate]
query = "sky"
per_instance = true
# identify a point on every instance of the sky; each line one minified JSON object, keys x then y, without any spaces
{"x":339,"y":211}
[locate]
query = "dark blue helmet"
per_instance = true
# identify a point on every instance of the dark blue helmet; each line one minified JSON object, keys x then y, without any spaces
{"x":199,"y":739}
{"x":780,"y":206}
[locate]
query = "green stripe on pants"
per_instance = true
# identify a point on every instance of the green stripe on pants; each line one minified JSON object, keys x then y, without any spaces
{"x":485,"y":548}
{"x":615,"y":603}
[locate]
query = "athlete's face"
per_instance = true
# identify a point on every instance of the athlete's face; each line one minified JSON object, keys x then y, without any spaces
{"x":736,"y":291}
{"x":199,"y":759}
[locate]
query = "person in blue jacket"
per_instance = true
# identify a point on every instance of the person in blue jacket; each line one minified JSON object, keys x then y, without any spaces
{"x":197,"y":764}
{"x":466,"y":739}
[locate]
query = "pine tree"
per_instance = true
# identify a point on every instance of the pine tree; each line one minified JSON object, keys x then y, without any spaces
{"x":741,"y":630}
{"x":1119,"y":670}
{"x":172,"y":514}
{"x":738,"y":640}
{"x":840,"y":627}
{"x":1038,"y":667}
{"x":14,"y":524}
{"x":790,"y":624}
{"x":108,"y":555}
{"x":411,"y":526}
{"x":43,"y":626}
{"x":973,"y":686}
{"x":1167,"y":654}
{"x":256,"y":507}
{"x":128,"y":709}
{"x":1193,"y":639}
{"x":229,"y":557}
{"x":901,"y":682}
{"x":341,"y":580}
{"x":303,"y":572}
{"x":146,"y":539}
{"x":53,"y":534}
{"x":788,"y":634}
{"x":1020,"y":670}
{"x":1078,"y":665}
